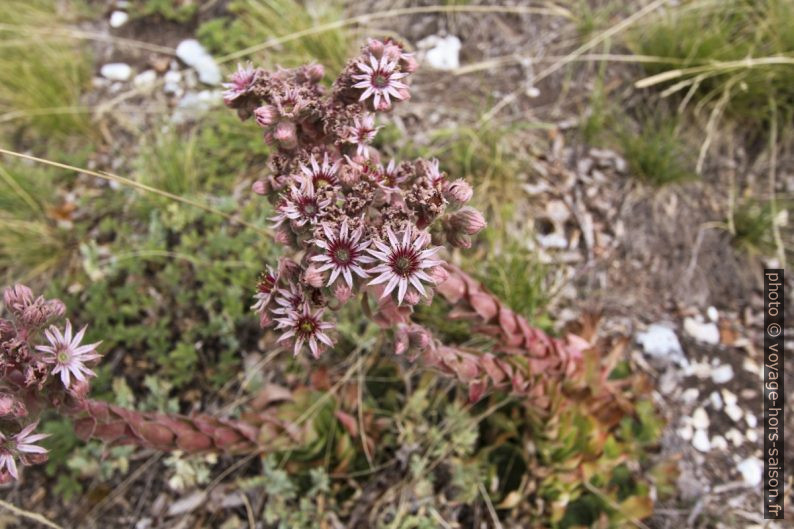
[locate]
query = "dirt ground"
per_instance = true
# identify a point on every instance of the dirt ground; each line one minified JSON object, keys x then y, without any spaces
{"x":632,"y":254}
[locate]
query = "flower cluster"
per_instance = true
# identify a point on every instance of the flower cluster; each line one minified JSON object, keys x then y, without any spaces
{"x":355,"y":225}
{"x":40,"y":365}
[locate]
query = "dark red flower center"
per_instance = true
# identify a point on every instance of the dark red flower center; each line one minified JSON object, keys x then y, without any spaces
{"x":307,"y":326}
{"x":380,"y":80}
{"x":404,"y":261}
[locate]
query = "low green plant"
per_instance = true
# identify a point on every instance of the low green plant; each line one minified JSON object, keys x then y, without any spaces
{"x":253,"y":22}
{"x":180,"y":11}
{"x":734,"y":55}
{"x":43,"y":70}
{"x":656,"y":151}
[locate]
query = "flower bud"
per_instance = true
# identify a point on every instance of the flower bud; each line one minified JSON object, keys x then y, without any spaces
{"x":439,"y":274}
{"x":315,"y":72}
{"x":264,"y":319}
{"x":376,"y":47}
{"x":260,"y":187}
{"x":55,"y":308}
{"x":392,"y":52}
{"x":79,"y":389}
{"x":313,"y":277}
{"x":286,"y":135}
{"x":467,"y":220}
{"x":342,"y":292}
{"x":458,"y":239}
{"x":408,"y":63}
{"x":265,"y":115}
{"x":412,"y":297}
{"x":288,"y":269}
{"x":17,"y":295}
{"x":11,"y":406}
{"x":281,"y":237}
{"x":419,"y":338}
{"x":458,"y":192}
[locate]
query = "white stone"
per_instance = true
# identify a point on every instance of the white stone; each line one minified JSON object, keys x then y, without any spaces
{"x":752,"y":420}
{"x":751,"y":436}
{"x":716,"y":400}
{"x":734,"y":412}
{"x":702,"y":331}
{"x":751,"y":470}
{"x":700,"y":419}
{"x":713,"y":314}
{"x":735,"y":437}
{"x":699,"y":369}
{"x":729,"y":397}
{"x":118,"y":19}
{"x":442,"y":53}
{"x":116,"y":71}
{"x":690,"y":395}
{"x":752,"y":366}
{"x":722,"y":374}
{"x":192,"y":53}
{"x":194,"y":104}
{"x":145,"y":79}
{"x":701,"y":441}
{"x":553,"y":240}
{"x":660,"y":342}
{"x":686,"y":432}
{"x":718,"y":442}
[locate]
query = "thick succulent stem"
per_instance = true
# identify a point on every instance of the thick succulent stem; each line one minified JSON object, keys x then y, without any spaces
{"x":193,"y":434}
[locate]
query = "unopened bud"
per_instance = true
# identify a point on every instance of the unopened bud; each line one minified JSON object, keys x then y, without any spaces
{"x":392,"y":52}
{"x":459,"y":239}
{"x":313,"y":277}
{"x":260,"y":187}
{"x":17,"y":295}
{"x":55,"y":308}
{"x":458,"y":192}
{"x":467,"y":220}
{"x":412,"y":297}
{"x":342,"y":292}
{"x":286,"y":135}
{"x":408,"y":63}
{"x":79,"y":389}
{"x":288,"y":269}
{"x":376,"y":47}
{"x":281,"y":237}
{"x":439,"y":274}
{"x":315,"y":72}
{"x":266,"y":115}
{"x":9,"y":405}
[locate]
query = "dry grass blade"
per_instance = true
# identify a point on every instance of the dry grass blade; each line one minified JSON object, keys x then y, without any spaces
{"x":29,"y":515}
{"x":714,"y":68}
{"x":497,"y":62}
{"x":44,"y":33}
{"x":140,"y":187}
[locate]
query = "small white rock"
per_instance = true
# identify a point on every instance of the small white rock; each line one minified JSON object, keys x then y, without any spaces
{"x":686,"y":432}
{"x":192,"y":53}
{"x":722,"y":374}
{"x":752,"y":366}
{"x":702,"y":331}
{"x":700,"y":419}
{"x":442,"y":53}
{"x":751,"y":419}
{"x":701,"y":441}
{"x":659,"y":341}
{"x":734,"y":412}
{"x":751,"y":470}
{"x":690,"y":395}
{"x":713,"y":313}
{"x":718,"y":442}
{"x":699,"y":369}
{"x":145,"y":79}
{"x":735,"y":437}
{"x":751,"y":436}
{"x":716,"y":400}
{"x":116,"y":71}
{"x":118,"y":19}
{"x":729,"y":397}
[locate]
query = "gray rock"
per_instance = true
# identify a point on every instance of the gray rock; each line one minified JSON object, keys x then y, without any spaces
{"x":116,"y":71}
{"x":706,"y":332}
{"x":441,"y":53}
{"x":118,"y":19}
{"x":192,"y":53}
{"x":660,"y":343}
{"x":145,"y":79}
{"x":722,"y":374}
